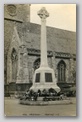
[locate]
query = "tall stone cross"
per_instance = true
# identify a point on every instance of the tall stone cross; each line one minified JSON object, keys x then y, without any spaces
{"x":43,"y":14}
{"x":44,"y":77}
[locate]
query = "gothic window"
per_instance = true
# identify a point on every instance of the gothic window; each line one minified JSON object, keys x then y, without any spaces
{"x":61,"y":71}
{"x":36,"y":64}
{"x":14,"y":63}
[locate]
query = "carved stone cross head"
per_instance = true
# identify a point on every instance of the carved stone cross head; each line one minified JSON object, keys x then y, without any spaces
{"x":43,"y":14}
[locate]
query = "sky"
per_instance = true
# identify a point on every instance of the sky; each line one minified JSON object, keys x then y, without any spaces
{"x":61,"y":16}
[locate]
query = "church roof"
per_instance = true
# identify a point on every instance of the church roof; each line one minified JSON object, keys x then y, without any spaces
{"x":58,"y":40}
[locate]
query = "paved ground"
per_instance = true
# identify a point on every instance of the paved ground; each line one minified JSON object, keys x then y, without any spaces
{"x":13,"y":108}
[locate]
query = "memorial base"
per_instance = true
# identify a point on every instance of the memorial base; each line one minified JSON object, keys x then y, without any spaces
{"x":44,"y":78}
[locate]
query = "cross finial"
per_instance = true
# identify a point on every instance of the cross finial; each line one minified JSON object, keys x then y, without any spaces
{"x":43,"y":14}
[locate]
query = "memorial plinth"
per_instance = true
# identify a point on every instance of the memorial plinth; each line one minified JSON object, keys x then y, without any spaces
{"x":44,"y":77}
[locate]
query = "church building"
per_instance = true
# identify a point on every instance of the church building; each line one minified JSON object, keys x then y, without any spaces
{"x":22,"y":50}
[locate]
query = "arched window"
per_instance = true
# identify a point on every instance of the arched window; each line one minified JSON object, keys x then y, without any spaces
{"x":61,"y":71}
{"x":36,"y":64}
{"x":14,"y":64}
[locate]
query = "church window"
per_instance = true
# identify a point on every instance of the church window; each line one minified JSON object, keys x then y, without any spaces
{"x":14,"y":63}
{"x":61,"y":71}
{"x":11,"y":9}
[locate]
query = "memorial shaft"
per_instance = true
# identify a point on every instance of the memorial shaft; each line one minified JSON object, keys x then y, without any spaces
{"x":43,"y":14}
{"x":44,"y":62}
